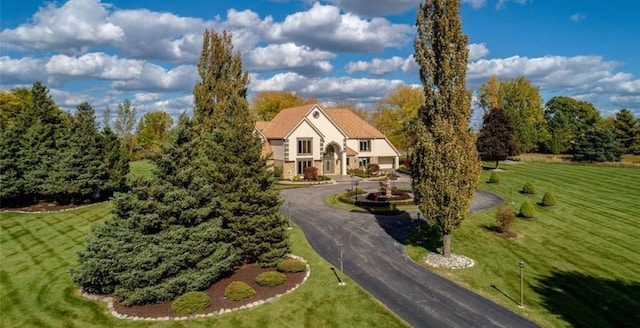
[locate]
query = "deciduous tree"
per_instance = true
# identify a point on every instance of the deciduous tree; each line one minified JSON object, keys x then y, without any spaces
{"x":395,"y":112}
{"x":266,"y":105}
{"x":124,"y":123}
{"x":152,"y":130}
{"x":567,"y":118}
{"x":495,"y":141}
{"x":444,"y":162}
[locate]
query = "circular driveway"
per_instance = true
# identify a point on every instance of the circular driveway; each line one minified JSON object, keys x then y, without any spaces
{"x":375,"y":258}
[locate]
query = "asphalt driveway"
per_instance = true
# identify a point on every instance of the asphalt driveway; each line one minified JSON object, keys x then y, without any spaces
{"x":374,"y":257}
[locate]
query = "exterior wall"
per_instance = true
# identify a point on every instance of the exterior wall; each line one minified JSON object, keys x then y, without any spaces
{"x":304,"y":131}
{"x":288,"y":170}
{"x":277,"y":147}
{"x":328,"y":129}
{"x":381,"y":153}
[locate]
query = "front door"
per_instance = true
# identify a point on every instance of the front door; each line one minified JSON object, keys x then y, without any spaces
{"x":329,"y":161}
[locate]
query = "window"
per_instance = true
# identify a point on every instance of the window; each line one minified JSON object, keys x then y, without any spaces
{"x":363,"y":162}
{"x":365,"y":145}
{"x":303,"y":164}
{"x":304,"y":147}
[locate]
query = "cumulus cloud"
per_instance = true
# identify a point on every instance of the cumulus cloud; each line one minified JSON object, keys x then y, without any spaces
{"x":97,"y":65}
{"x":577,"y":17}
{"x":156,"y":78}
{"x":25,"y":70}
{"x":144,"y":97}
{"x":289,"y":56}
{"x":324,"y":27}
{"x":72,"y":28}
{"x":377,"y":66}
{"x":475,"y":4}
{"x":477,"y":51}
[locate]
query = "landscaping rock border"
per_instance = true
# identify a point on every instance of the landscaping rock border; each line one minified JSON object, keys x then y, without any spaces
{"x":454,"y":262}
{"x":109,"y":300}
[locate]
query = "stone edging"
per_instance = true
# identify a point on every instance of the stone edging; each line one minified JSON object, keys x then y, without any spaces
{"x":109,"y":301}
{"x":57,"y":211}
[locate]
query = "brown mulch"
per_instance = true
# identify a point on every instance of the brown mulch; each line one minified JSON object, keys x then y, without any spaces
{"x":43,"y":206}
{"x":246,"y":273}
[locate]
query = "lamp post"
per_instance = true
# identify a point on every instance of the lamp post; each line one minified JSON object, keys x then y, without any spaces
{"x":357,"y":182}
{"x":419,"y":223}
{"x":341,"y":259}
{"x":521,"y":264}
{"x":351,"y":181}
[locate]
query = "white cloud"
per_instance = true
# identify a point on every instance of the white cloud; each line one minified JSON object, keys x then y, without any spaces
{"x":23,"y":70}
{"x":300,"y":59}
{"x":323,"y":27}
{"x":577,"y":17}
{"x":95,"y":65}
{"x":72,"y":28}
{"x":475,"y":4}
{"x":145,"y":97}
{"x":174,"y":106}
{"x":477,"y":51}
{"x":377,"y":66}
{"x":155,"y":78}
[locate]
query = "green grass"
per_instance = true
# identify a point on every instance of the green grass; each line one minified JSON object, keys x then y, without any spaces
{"x":141,"y":168}
{"x":582,"y":256}
{"x":36,"y":290}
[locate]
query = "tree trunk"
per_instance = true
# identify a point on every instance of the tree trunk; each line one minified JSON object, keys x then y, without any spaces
{"x":497,"y":163}
{"x":446,"y":245}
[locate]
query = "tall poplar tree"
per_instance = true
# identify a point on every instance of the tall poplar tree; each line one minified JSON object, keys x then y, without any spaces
{"x":250,"y":206}
{"x":444,"y":163}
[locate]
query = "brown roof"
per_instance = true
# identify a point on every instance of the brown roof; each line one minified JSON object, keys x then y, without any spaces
{"x":352,"y":124}
{"x":284,"y":122}
{"x":351,"y":152}
{"x":346,"y":120}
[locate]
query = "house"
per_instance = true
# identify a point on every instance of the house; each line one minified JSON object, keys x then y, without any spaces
{"x":332,"y":139}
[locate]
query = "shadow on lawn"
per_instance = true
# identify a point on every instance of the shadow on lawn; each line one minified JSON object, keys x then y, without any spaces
{"x":586,"y":301}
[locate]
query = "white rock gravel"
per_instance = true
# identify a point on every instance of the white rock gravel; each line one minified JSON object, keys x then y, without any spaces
{"x":454,"y":262}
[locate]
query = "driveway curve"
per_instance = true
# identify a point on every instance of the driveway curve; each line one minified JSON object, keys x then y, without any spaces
{"x":375,"y":258}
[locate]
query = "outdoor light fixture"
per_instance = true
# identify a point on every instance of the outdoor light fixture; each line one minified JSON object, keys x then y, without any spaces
{"x":357,"y":182}
{"x":521,"y":264}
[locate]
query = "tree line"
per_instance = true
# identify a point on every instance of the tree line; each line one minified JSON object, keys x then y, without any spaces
{"x":48,"y":153}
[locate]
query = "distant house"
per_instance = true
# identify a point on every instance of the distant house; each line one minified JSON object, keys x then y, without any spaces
{"x":332,"y":139}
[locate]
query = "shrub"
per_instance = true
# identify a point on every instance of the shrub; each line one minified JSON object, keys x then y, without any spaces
{"x":548,"y":199}
{"x":291,"y":265}
{"x":504,"y":218}
{"x":278,"y":171}
{"x":238,"y":291}
{"x":527,"y":210}
{"x":528,"y":188}
{"x":311,"y":173}
{"x":373,"y":169}
{"x":190,"y":303}
{"x":271,"y":278}
{"x":494,"y":177}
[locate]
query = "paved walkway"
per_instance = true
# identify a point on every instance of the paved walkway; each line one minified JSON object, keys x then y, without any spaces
{"x":374,"y":257}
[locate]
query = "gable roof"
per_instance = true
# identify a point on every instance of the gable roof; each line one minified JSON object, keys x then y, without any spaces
{"x":283,"y":122}
{"x":344,"y":118}
{"x":352,"y":124}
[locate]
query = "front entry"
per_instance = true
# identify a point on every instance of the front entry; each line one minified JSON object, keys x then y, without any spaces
{"x":329,"y":160}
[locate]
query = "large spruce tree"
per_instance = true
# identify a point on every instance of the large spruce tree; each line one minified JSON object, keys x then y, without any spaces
{"x":252,"y":221}
{"x":444,"y":163}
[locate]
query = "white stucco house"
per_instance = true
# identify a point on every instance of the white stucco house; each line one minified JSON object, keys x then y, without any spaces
{"x":331,"y":139}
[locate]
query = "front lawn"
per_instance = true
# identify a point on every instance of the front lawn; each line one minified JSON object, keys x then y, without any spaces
{"x":582,"y":256}
{"x":36,"y":290}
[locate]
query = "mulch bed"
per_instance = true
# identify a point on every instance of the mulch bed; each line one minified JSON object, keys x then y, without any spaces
{"x":246,"y":273}
{"x":43,"y":206}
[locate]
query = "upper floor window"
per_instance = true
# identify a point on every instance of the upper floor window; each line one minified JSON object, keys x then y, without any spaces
{"x":365,"y":145}
{"x":304,"y":147}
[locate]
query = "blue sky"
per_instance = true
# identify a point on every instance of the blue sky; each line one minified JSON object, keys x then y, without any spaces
{"x":337,"y":50}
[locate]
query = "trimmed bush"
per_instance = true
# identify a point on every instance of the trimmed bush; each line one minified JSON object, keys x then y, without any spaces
{"x":529,"y":188}
{"x":373,"y":169}
{"x":527,"y":210}
{"x":238,"y":291}
{"x":311,"y":173}
{"x":291,"y":265}
{"x":271,"y":278}
{"x":548,"y":199}
{"x":190,"y":303}
{"x":494,"y":177}
{"x":504,"y":218}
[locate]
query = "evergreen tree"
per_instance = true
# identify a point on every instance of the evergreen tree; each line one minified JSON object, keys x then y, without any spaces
{"x":627,"y":131}
{"x":495,"y":141}
{"x":444,"y":163}
{"x":13,"y":126}
{"x":567,"y":118}
{"x":80,"y":171}
{"x":165,"y":237}
{"x":597,"y":144}
{"x":116,"y":161}
{"x":39,"y":145}
{"x":250,"y":206}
